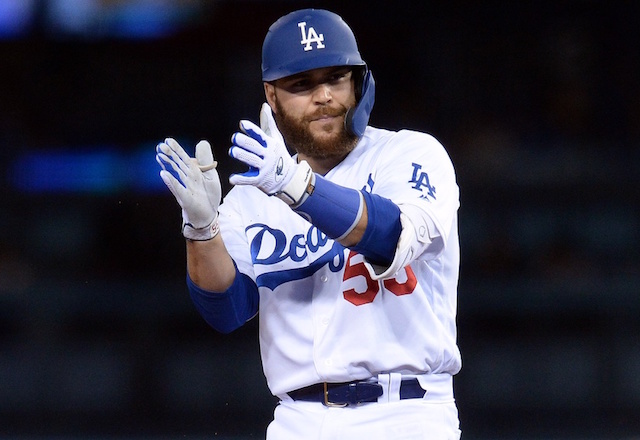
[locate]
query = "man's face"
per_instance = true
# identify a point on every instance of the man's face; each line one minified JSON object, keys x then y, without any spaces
{"x":310,"y":109}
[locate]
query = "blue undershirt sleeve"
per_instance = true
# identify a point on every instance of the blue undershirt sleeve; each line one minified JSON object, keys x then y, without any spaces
{"x":378,"y":244}
{"x":226,"y":311}
{"x":333,"y":208}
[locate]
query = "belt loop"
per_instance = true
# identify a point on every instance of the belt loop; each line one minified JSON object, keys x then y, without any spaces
{"x":383,"y":380}
{"x":390,"y":387}
{"x":395,"y":380}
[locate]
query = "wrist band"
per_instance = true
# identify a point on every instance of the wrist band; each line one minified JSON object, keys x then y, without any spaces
{"x":300,"y":186}
{"x":201,"y":234}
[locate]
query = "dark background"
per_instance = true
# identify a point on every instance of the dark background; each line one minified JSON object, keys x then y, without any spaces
{"x":537,"y":102}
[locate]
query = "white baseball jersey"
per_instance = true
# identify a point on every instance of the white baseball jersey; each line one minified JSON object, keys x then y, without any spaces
{"x":322,"y":316}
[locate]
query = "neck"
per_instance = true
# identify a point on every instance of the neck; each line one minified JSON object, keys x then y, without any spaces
{"x":321,"y":165}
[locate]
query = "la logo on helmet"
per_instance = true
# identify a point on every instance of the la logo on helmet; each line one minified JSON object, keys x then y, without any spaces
{"x":310,"y":37}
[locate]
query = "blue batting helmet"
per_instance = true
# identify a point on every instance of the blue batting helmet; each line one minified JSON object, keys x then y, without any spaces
{"x":311,"y":39}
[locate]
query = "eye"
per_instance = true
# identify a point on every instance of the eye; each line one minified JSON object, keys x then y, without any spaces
{"x":339,"y":76}
{"x":301,"y":84}
{"x":297,"y":85}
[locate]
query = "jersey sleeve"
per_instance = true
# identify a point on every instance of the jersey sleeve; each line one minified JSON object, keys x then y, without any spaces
{"x":416,"y":173}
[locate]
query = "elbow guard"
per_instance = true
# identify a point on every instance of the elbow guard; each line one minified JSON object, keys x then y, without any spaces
{"x":419,"y":237}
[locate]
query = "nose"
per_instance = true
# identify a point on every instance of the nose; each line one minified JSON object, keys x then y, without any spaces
{"x":322,"y":94}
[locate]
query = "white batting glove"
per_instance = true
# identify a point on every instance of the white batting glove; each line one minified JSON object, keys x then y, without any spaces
{"x":271,"y":167}
{"x":195,"y":184}
{"x":268,"y":124}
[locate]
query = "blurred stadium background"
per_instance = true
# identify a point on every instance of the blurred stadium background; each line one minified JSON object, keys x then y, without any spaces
{"x":538,"y":103}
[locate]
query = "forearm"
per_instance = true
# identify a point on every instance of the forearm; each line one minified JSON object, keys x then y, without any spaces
{"x":367,"y":223}
{"x":356,"y":234}
{"x":209,"y":264}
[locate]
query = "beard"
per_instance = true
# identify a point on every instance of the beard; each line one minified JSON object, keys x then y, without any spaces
{"x":298,"y":136}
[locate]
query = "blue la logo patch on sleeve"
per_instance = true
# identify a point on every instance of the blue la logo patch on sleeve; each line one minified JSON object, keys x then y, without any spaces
{"x":420,"y":180}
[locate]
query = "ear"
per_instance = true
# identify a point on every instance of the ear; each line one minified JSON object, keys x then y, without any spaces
{"x":270,"y":94}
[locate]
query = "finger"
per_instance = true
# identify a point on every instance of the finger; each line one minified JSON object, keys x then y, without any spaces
{"x":268,"y":124}
{"x":173,"y":184}
{"x":253,"y":131}
{"x":266,"y":119}
{"x":204,"y":155}
{"x":169,"y":166}
{"x":247,"y":143}
{"x":179,"y":151}
{"x":174,"y":156}
{"x":161,"y":161}
{"x":246,"y":178}
{"x":247,"y":157}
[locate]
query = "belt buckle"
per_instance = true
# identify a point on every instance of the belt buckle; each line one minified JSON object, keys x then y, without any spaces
{"x":326,"y":398}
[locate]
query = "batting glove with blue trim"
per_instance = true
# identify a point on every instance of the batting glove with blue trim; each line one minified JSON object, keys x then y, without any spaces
{"x":195,"y":184}
{"x":271,"y":167}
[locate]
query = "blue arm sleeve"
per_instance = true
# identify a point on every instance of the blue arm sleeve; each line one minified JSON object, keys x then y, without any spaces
{"x":335,"y":210}
{"x":228,"y":310}
{"x":378,"y":244}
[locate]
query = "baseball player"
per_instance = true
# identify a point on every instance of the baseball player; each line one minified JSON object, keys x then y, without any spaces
{"x":347,"y":249}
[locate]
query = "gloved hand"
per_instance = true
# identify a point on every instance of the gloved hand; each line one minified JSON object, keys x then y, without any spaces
{"x":268,"y":124}
{"x":271,"y":167}
{"x":195,"y":184}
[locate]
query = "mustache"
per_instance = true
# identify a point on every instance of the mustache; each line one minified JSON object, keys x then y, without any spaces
{"x":326,"y":111}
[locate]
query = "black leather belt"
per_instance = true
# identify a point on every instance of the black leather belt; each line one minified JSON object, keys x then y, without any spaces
{"x":353,"y":393}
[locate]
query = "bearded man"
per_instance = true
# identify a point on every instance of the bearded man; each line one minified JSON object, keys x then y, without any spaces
{"x":341,"y":236}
